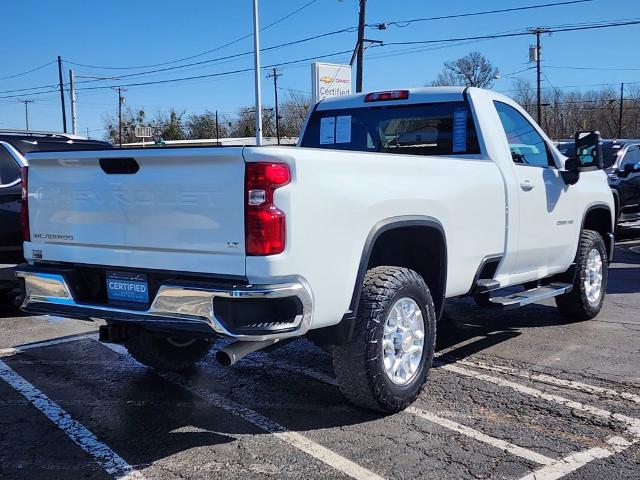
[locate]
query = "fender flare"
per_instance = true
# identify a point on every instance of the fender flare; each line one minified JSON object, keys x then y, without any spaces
{"x":343,"y":331}
{"x":610,"y":241}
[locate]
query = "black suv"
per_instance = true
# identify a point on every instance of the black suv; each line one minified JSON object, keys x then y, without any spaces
{"x":621,"y":161}
{"x":13,"y":146}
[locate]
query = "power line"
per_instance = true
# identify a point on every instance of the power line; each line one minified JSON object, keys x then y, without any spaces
{"x":28,"y":71}
{"x":236,"y":55}
{"x":422,"y":42}
{"x":515,"y":34}
{"x":220,"y":47}
{"x":196,"y":77}
{"x":203,"y":62}
{"x":406,"y":23}
{"x":590,"y":68}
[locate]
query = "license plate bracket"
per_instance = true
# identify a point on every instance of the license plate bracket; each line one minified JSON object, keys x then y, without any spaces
{"x":127,"y":287}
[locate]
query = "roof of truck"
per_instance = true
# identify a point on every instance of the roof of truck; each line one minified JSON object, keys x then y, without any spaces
{"x":416,"y":95}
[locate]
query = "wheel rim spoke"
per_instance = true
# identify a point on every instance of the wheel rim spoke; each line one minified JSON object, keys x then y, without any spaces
{"x":593,"y":276}
{"x":403,"y":341}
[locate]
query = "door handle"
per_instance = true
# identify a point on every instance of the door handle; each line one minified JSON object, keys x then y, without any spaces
{"x":527,"y":185}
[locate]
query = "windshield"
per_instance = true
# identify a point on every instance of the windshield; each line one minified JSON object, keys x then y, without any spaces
{"x":424,"y":129}
{"x":609,"y":151}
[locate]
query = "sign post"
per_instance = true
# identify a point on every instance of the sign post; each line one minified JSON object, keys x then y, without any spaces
{"x":329,"y":80}
{"x":142,"y":132}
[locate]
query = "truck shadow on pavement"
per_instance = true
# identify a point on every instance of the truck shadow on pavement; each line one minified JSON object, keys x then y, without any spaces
{"x":463,"y":321}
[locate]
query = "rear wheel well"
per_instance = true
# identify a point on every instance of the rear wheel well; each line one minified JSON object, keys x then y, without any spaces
{"x":417,"y":243}
{"x":599,"y":220}
{"x":419,"y":248}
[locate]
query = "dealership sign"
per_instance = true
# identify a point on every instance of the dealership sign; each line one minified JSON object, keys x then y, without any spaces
{"x":330,"y":80}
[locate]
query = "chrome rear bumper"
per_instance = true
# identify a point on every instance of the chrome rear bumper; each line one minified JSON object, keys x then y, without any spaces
{"x":181,"y":307}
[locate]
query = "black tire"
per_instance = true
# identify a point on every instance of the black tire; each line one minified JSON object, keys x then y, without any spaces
{"x":162,"y":353}
{"x":575,"y":305}
{"x":359,"y":365}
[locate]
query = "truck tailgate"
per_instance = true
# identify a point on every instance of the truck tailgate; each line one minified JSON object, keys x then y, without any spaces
{"x":165,"y":209}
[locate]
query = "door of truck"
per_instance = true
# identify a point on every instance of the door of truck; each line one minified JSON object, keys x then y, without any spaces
{"x":547,"y":208}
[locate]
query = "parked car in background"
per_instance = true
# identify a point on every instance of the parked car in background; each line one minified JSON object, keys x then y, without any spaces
{"x":621,"y":161}
{"x":13,"y":146}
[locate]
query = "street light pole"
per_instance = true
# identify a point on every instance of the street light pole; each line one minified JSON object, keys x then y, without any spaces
{"x":256,"y":61}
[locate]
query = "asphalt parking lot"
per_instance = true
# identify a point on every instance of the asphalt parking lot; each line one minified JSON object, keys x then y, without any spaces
{"x":515,"y":395}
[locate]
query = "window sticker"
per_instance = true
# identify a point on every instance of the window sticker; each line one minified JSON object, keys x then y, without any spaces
{"x":459,"y":130}
{"x":327,"y":130}
{"x":343,"y":129}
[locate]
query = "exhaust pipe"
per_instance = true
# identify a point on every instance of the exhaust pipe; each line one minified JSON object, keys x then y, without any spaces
{"x":231,"y":354}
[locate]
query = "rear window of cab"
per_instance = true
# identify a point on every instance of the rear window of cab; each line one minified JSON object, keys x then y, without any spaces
{"x":445,"y":128}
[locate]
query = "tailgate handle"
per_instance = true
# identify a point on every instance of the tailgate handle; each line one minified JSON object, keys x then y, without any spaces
{"x":119,"y":166}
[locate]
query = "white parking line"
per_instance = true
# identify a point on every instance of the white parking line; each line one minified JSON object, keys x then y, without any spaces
{"x":573,"y":462}
{"x":551,"y":470}
{"x":110,"y":461}
{"x":632,"y":424}
{"x":294,"y":439}
{"x":4,"y":352}
{"x":470,"y":432}
{"x":550,"y":380}
{"x":430,"y":417}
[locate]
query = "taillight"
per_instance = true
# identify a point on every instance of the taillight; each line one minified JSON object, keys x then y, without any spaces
{"x":24,"y":204}
{"x":265,"y":229}
{"x":388,"y":95}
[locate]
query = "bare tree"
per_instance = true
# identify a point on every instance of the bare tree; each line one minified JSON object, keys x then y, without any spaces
{"x":293,"y":112}
{"x":446,"y":78}
{"x":472,"y":70}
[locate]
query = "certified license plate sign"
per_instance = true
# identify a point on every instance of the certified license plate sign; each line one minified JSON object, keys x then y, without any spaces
{"x":127,"y":287}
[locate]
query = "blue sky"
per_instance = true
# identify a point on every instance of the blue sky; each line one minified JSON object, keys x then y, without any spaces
{"x":130,"y":34}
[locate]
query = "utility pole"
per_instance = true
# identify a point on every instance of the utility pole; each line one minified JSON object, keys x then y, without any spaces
{"x":217,"y":131}
{"x":275,"y":76}
{"x":621,"y":110}
{"x":64,"y":112}
{"x":256,"y":61}
{"x":360,"y":45}
{"x":72,"y":96}
{"x":120,"y":103}
{"x":26,"y":111}
{"x":537,"y":58}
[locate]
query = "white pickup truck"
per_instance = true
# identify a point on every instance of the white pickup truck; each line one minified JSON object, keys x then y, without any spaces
{"x":391,"y":203}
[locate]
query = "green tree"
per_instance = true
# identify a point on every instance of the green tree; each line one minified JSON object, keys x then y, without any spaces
{"x":203,"y":125}
{"x":130,"y":119}
{"x":169,"y":126}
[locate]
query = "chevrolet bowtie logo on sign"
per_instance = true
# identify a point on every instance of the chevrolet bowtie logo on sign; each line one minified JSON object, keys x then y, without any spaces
{"x":330,"y":80}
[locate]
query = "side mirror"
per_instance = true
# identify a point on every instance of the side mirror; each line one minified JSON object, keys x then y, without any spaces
{"x":630,"y":168}
{"x":588,"y":150}
{"x":571,"y":172}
